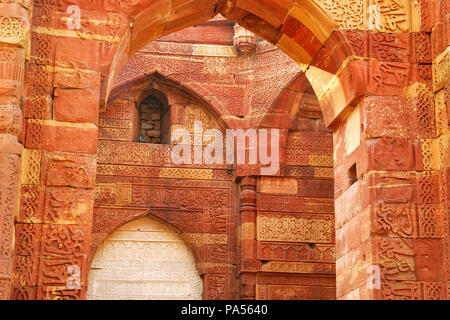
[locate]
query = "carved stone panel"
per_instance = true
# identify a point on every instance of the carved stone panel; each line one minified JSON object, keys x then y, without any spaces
{"x":144,"y":260}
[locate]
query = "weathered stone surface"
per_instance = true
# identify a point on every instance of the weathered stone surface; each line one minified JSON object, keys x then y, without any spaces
{"x":76,"y":105}
{"x":144,"y":259}
{"x":376,"y":74}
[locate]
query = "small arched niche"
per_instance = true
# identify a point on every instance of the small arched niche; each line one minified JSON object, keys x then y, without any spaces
{"x":144,"y":260}
{"x":154,"y":119}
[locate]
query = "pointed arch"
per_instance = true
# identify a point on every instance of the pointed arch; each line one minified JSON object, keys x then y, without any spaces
{"x":154,"y":79}
{"x":144,"y":259}
{"x":300,"y":28}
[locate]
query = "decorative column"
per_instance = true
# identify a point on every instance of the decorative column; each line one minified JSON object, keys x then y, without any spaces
{"x":389,"y":150}
{"x":248,"y":265}
{"x":53,"y":227}
{"x":14,"y":48}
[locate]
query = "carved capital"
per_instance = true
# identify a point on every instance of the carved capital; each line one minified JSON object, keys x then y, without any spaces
{"x":248,"y":193}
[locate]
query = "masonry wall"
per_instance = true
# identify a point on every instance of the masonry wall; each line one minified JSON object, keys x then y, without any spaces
{"x":292,"y":251}
{"x":381,"y":79}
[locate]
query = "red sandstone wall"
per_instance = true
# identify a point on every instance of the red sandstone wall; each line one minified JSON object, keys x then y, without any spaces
{"x":265,"y":261}
{"x":136,"y":179}
{"x":295,"y":214}
{"x":401,"y":71}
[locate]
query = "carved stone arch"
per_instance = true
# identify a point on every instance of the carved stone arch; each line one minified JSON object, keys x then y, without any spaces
{"x":293,"y":101}
{"x":360,"y":79}
{"x":270,"y":19}
{"x":111,"y":222}
{"x":299,"y":28}
{"x":322,"y":36}
{"x":172,"y":88}
{"x":290,"y":26}
{"x":145,"y":258}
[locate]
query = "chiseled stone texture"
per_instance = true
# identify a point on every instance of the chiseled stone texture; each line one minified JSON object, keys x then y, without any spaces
{"x":288,"y":245}
{"x":379,"y":70}
{"x":144,"y":260}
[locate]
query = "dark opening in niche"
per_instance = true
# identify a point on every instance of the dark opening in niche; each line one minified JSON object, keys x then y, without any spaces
{"x":154,"y":121}
{"x":352,"y":176}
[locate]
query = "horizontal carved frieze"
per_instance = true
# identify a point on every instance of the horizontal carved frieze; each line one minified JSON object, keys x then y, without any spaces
{"x":293,"y":228}
{"x":298,"y":267}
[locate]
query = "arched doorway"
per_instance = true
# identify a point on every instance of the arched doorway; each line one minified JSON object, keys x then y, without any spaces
{"x":146,"y":260}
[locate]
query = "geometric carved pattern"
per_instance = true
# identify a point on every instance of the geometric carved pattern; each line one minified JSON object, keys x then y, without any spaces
{"x":32,"y":204}
{"x":441,"y":70}
{"x":144,"y":260}
{"x":297,"y":293}
{"x":298,"y":267}
{"x":10,"y":118}
{"x":27,"y":239}
{"x":32,"y":167}
{"x":442,"y":112}
{"x":349,"y":14}
{"x":129,"y":153}
{"x":427,"y":185}
{"x":425,"y":116}
{"x":430,"y":221}
{"x":427,"y":154}
{"x":163,"y":197}
{"x":26,"y":271}
{"x":278,"y":185}
{"x":181,"y":173}
{"x":309,"y":149}
{"x":9,"y":169}
{"x":4,"y":288}
{"x":291,"y":228}
{"x":296,"y":252}
{"x":13,"y":28}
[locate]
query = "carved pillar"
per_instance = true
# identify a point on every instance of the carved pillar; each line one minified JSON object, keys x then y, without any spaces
{"x":436,"y":18}
{"x":390,"y":219}
{"x":53,"y":228}
{"x":14,"y":45}
{"x":248,"y":265}
{"x":10,"y":151}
